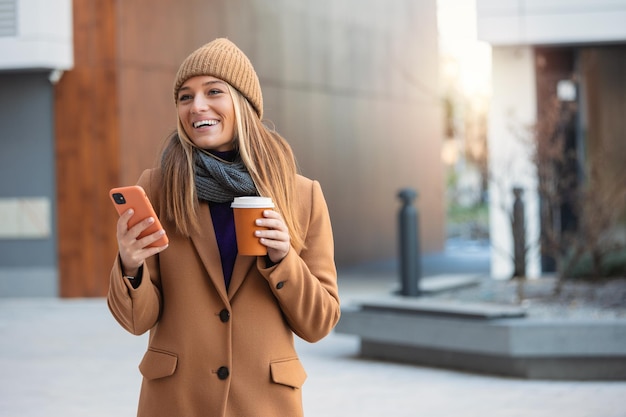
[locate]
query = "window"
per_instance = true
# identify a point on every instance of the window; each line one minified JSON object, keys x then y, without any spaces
{"x":8,"y":18}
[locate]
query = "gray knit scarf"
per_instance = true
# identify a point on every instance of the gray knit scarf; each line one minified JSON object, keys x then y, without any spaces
{"x":219,"y":181}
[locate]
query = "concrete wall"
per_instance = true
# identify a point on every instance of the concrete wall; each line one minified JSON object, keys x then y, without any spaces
{"x":27,"y":186}
{"x":351,"y":84}
{"x":513,"y":112}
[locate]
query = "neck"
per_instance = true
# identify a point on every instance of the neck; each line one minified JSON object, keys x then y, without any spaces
{"x":223,"y":156}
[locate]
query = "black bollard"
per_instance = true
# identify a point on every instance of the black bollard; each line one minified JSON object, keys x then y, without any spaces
{"x":519,"y":234}
{"x":410,"y":261}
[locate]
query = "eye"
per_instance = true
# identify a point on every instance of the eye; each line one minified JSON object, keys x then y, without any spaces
{"x":214,"y":91}
{"x":184,"y":97}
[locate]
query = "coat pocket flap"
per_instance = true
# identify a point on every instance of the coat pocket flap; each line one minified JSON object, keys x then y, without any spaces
{"x":288,"y":372}
{"x":158,"y":364}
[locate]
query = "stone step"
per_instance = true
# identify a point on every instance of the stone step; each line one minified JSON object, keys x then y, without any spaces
{"x":444,"y":308}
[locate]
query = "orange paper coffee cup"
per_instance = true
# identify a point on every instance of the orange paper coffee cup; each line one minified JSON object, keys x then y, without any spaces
{"x":246,"y":211}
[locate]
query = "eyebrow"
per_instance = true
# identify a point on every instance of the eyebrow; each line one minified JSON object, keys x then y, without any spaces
{"x":204,"y":84}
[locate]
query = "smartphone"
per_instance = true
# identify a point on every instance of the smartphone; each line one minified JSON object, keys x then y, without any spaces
{"x":134,"y":196}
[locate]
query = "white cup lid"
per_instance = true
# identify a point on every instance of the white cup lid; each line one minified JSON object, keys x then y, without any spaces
{"x":252,"y":202}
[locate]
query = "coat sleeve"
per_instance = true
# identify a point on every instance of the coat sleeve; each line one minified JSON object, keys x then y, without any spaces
{"x":305,"y":284}
{"x":136,"y":309}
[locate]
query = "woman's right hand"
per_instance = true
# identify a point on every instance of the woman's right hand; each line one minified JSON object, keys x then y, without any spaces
{"x":133,"y":251}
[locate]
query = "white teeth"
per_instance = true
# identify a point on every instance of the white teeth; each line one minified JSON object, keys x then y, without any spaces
{"x":205,"y":123}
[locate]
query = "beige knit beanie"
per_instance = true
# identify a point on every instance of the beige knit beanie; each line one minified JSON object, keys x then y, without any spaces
{"x":224,"y":60}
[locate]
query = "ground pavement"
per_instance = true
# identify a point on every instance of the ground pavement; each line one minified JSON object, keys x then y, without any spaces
{"x":70,"y":358}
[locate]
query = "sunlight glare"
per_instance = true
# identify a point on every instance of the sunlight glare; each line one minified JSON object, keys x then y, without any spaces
{"x":465,"y":58}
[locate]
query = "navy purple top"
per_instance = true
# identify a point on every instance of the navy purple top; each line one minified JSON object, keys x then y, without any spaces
{"x":224,"y":226}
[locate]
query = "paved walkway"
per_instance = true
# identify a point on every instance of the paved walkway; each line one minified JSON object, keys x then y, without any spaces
{"x":70,"y":358}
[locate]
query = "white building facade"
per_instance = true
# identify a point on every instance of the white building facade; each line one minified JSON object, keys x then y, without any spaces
{"x":36,"y":48}
{"x":576,"y":48}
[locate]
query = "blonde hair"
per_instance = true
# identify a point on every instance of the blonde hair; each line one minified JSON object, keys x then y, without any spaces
{"x":267,"y":156}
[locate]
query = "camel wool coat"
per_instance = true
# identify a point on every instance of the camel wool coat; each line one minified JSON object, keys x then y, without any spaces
{"x":218,"y":353}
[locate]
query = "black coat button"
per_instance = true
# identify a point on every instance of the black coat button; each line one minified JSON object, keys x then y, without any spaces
{"x":223,"y":373}
{"x":224,"y":315}
{"x":280,"y":285}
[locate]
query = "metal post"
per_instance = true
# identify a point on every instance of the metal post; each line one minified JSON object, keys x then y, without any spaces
{"x":410,"y":261}
{"x":519,"y":234}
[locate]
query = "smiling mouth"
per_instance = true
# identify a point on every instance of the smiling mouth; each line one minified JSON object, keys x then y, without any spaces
{"x":203,"y":123}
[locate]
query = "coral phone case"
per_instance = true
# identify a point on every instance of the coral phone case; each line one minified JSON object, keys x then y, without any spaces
{"x":135,"y":197}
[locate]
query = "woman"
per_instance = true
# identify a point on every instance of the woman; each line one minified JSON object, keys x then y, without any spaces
{"x":221,"y":324}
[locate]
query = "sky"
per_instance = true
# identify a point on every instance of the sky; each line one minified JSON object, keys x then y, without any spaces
{"x":471,"y":61}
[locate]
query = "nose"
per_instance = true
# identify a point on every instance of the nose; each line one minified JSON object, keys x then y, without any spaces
{"x":199,"y":104}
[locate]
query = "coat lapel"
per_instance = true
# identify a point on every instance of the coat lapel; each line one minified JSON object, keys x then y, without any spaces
{"x":206,"y":245}
{"x":208,"y":250}
{"x":242,"y":266}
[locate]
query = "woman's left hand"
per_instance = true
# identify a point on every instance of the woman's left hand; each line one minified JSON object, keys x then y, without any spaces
{"x":276,"y":237}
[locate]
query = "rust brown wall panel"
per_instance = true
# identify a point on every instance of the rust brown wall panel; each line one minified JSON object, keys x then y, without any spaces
{"x":94,"y":33}
{"x":160,"y":34}
{"x":154,"y":37}
{"x":147,"y":116}
{"x":113,"y":112}
{"x":612,"y":83}
{"x":87,"y":139}
{"x":86,"y":169}
{"x":602,"y":73}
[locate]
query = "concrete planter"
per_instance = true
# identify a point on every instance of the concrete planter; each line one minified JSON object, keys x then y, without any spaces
{"x":487,"y":338}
